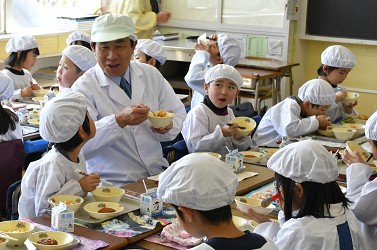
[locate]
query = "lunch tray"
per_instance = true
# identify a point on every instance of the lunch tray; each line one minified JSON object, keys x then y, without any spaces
{"x":359,"y":139}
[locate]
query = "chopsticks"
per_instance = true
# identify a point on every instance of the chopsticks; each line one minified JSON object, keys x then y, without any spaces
{"x":231,"y":124}
{"x":85,"y":174}
{"x":370,"y":157}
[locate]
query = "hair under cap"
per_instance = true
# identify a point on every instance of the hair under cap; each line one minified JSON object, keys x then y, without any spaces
{"x":305,"y":161}
{"x":317,"y":91}
{"x":81,"y":56}
{"x":338,"y":56}
{"x":152,"y":49}
{"x":111,"y":27}
{"x":223,"y":71}
{"x":6,"y":86}
{"x":371,"y":127}
{"x":61,"y":117}
{"x":19,"y":42}
{"x":230,"y":50}
{"x":198,"y":181}
{"x":77,"y":36}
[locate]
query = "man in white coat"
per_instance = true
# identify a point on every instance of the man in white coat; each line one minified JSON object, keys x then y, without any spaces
{"x":120,"y":94}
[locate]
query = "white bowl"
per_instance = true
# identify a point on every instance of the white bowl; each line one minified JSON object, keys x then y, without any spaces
{"x":93,"y":207}
{"x":63,"y":239}
{"x":353,"y":146}
{"x":351,"y":98}
{"x":38,"y":99}
{"x":35,"y":113}
{"x":245,"y":203}
{"x":40,"y":92}
{"x":238,"y":221}
{"x":361,"y":119}
{"x":73,"y":202}
{"x":112,"y":194}
{"x":253,"y":224}
{"x":252,"y":157}
{"x":3,"y":243}
{"x":218,"y":156}
{"x":360,"y":128}
{"x":160,"y":122}
{"x":246,"y":122}
{"x":34,"y":121}
{"x":16,"y":229}
{"x":269,"y":152}
{"x":328,"y":132}
{"x":343,"y":133}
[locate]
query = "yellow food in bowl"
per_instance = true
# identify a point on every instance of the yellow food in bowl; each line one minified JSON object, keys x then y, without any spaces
{"x":160,"y":119}
{"x":73,"y":202}
{"x":16,"y":229}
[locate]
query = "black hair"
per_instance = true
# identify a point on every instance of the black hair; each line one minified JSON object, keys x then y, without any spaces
{"x":148,"y":57}
{"x":13,"y":59}
{"x":76,"y":140}
{"x":213,"y":217}
{"x":316,"y":197}
{"x":131,"y":41}
{"x":8,"y":120}
{"x":82,"y":43}
{"x":321,"y":72}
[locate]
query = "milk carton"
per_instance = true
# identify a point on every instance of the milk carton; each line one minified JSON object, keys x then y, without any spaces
{"x":62,"y":218}
{"x":150,"y":204}
{"x":234,"y":160}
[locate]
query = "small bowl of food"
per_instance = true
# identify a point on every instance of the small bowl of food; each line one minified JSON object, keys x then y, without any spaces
{"x":269,"y":152}
{"x":40,"y":92}
{"x":351,"y":98}
{"x":38,"y":99}
{"x":351,"y":147}
{"x":160,"y":119}
{"x":238,"y":221}
{"x":218,"y":156}
{"x":16,"y":229}
{"x":361,"y":119}
{"x":3,"y":243}
{"x":34,"y":121}
{"x":113,"y":194}
{"x":35,"y":113}
{"x":103,"y":210}
{"x":360,"y":128}
{"x":252,"y":157}
{"x":47,"y":240}
{"x":245,"y":125}
{"x":326,"y":132}
{"x":342,"y":133}
{"x":245,"y":203}
{"x":73,"y":202}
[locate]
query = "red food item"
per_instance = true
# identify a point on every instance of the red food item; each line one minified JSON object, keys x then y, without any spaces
{"x":106,"y":210}
{"x":48,"y":241}
{"x":249,"y":156}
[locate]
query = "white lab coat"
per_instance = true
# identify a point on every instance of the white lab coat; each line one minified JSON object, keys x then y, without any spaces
{"x":363,"y":194}
{"x":52,"y":174}
{"x":19,"y":82}
{"x":134,"y":152}
{"x":312,"y":233}
{"x":12,"y":134}
{"x":202,"y":132}
{"x":195,"y":76}
{"x":336,"y":111}
{"x":283,"y":119}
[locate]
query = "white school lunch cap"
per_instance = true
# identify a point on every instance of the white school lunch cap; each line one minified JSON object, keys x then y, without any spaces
{"x":198,"y":181}
{"x":338,"y":56}
{"x":77,"y":36}
{"x":20,"y":42}
{"x":81,"y":56}
{"x":230,"y":49}
{"x":6,"y":86}
{"x":152,"y":49}
{"x":223,"y":71}
{"x":62,"y":116}
{"x":371,"y":127}
{"x":112,"y":27}
{"x":317,"y":91}
{"x":305,"y":161}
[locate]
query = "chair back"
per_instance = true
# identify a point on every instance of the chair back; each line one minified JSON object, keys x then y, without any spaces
{"x":13,"y":196}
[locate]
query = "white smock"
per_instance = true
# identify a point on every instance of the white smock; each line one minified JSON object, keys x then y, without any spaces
{"x":283,"y":119}
{"x":19,"y":82}
{"x":195,"y":76}
{"x":311,"y":233}
{"x":134,"y":152}
{"x":12,"y":134}
{"x":363,"y":194}
{"x":336,"y":111}
{"x":51,"y":175}
{"x":202,"y":132}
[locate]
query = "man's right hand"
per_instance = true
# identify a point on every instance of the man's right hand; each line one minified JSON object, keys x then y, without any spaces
{"x":133,"y":115}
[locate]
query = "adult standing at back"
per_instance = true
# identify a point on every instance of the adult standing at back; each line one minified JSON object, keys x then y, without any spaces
{"x":144,"y":13}
{"x":125,"y":147}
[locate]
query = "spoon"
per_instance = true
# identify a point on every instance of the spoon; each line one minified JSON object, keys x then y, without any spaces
{"x":85,"y":174}
{"x":5,"y":236}
{"x":231,"y":124}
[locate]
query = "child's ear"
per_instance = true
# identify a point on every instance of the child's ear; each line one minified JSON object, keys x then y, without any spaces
{"x":206,"y":87}
{"x":81,"y":133}
{"x":219,"y":60}
{"x":152,"y":62}
{"x":325,"y":68}
{"x":188,"y":213}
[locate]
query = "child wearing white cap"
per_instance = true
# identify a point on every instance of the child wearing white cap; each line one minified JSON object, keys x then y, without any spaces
{"x":23,"y":51}
{"x":201,"y":188}
{"x":296,"y":116}
{"x":337,"y":61}
{"x":10,"y":128}
{"x":79,"y":38}
{"x":75,"y":61}
{"x":64,"y":121}
{"x":207,"y":127}
{"x":314,"y":211}
{"x":221,"y":49}
{"x":149,"y":52}
{"x":360,"y":190}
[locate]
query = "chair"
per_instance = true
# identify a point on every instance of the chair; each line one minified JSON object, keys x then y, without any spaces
{"x":13,"y":195}
{"x":176,"y":151}
{"x":12,"y":161}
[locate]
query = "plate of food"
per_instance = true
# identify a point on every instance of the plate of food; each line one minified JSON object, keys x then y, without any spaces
{"x":252,"y":157}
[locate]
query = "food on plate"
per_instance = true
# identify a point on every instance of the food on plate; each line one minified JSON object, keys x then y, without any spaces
{"x":249,"y":156}
{"x":2,"y":240}
{"x":69,"y":202}
{"x":362,"y":117}
{"x":48,"y":241}
{"x":106,"y":210}
{"x":160,"y":113}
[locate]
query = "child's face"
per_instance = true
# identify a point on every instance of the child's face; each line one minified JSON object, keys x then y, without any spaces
{"x":140,"y":56}
{"x":214,"y":52}
{"x":311,"y":109}
{"x":337,"y":76}
{"x":29,"y":61}
{"x":67,"y":73}
{"x":221,"y":92}
{"x":374,"y":149}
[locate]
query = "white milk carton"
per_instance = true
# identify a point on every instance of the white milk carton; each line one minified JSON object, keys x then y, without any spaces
{"x":150,"y":204}
{"x":62,"y":218}
{"x":234,"y":160}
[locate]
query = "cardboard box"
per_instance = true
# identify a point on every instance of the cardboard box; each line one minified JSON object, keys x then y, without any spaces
{"x":62,"y":218}
{"x":234,"y":160}
{"x":149,"y":203}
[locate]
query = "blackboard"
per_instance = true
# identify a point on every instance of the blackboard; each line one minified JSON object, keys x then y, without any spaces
{"x":342,"y":18}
